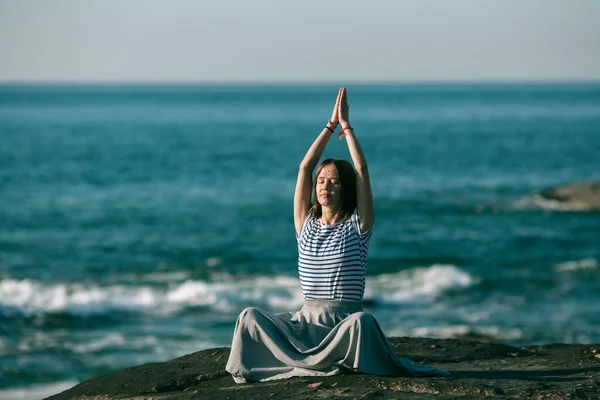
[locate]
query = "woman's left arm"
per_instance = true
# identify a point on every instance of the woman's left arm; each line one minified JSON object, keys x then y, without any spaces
{"x":364,"y":196}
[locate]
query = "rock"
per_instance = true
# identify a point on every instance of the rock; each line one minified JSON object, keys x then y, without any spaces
{"x":472,"y":335}
{"x":578,"y":196}
{"x":479,"y":370}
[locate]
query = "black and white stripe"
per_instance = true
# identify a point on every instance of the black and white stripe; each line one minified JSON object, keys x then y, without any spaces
{"x":332,"y":259}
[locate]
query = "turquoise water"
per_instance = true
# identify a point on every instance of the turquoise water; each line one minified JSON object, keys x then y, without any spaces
{"x":137,"y":221}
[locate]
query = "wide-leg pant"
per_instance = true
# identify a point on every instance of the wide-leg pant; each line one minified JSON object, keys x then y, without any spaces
{"x":323,"y":338}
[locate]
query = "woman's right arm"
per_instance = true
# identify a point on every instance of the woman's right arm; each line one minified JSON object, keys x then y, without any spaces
{"x":308,"y":164}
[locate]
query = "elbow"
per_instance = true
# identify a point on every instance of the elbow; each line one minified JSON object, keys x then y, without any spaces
{"x":306,"y":167}
{"x":361,"y":168}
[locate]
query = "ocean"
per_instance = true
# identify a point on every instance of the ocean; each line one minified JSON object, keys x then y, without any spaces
{"x":137,"y":221}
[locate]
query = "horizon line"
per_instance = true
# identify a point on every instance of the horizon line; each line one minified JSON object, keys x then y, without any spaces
{"x":24,"y":82}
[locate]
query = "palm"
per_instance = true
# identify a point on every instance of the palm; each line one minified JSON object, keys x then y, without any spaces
{"x":343,"y":109}
{"x":335,"y":115}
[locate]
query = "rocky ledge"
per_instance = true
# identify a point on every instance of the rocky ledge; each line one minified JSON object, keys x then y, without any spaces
{"x":479,"y":370}
{"x":577,"y":196}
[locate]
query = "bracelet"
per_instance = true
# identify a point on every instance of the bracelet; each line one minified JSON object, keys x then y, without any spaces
{"x":342,"y":132}
{"x":332,"y":124}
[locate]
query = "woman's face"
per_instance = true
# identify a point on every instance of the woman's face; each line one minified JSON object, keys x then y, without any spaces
{"x":329,"y":189}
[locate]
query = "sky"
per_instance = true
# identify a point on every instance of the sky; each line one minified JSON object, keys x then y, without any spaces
{"x":299,"y":41}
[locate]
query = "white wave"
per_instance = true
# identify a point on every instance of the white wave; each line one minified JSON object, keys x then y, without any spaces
{"x":418,"y":284}
{"x":212,"y":262}
{"x":578,"y":265}
{"x":31,"y":297}
{"x":36,"y":391}
{"x":273,"y":292}
{"x":536,"y":201}
{"x":111,"y":339}
{"x":452,"y":331}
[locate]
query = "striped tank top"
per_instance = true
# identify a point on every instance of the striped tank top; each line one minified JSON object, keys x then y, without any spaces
{"x":332,"y":259}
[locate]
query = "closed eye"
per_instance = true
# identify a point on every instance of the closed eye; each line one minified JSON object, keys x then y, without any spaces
{"x":321,"y":181}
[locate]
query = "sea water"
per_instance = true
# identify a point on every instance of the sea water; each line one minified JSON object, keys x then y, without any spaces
{"x":136,"y":222}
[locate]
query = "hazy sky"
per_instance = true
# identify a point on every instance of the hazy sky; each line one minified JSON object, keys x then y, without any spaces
{"x":307,"y":40}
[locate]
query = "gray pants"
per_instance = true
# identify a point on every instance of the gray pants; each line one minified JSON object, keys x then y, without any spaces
{"x":324,"y":338}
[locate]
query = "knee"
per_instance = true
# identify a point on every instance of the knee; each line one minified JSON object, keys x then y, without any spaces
{"x":249,"y":321}
{"x":363,"y":318}
{"x":248,"y":316}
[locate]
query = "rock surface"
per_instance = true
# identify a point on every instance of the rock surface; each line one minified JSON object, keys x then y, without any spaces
{"x":579,"y":196}
{"x":479,"y":370}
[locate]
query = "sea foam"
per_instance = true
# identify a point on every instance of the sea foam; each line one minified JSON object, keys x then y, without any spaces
{"x":30,"y":297}
{"x":36,"y":391}
{"x":577,"y":265}
{"x":421,"y":284}
{"x":536,"y":201}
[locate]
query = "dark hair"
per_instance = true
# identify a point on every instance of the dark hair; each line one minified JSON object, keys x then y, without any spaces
{"x":348,"y":193}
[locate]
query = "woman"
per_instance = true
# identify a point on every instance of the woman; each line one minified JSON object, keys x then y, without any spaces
{"x":330,"y":334}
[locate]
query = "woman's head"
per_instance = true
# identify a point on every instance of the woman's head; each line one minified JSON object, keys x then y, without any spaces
{"x":335,"y":187}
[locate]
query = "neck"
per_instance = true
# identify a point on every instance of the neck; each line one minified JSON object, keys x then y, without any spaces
{"x":329,"y":216}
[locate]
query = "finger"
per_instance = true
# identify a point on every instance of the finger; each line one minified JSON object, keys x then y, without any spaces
{"x":336,"y":108}
{"x":337,"y":101}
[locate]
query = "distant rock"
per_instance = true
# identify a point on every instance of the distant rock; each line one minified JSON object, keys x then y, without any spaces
{"x":473,"y":335}
{"x":479,"y":370}
{"x":579,"y":196}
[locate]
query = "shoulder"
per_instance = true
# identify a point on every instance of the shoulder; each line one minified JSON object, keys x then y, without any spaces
{"x":356,"y":224}
{"x":355,"y":219}
{"x":308,"y":221}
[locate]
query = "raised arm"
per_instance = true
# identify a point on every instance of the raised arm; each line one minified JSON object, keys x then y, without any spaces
{"x":364,"y":197}
{"x":307,"y":166}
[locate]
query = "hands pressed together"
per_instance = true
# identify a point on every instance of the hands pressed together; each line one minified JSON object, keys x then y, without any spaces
{"x":341,"y":113}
